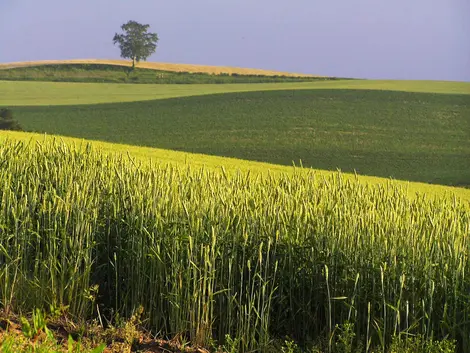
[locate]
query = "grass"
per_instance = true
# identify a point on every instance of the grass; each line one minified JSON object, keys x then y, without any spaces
{"x":409,"y":136}
{"x":15,"y":344}
{"x":15,"y":93}
{"x":124,"y":74}
{"x":212,"y":254}
{"x":157,"y":66}
{"x":53,"y":331}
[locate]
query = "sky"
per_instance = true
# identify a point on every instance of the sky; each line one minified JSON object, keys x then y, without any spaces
{"x":375,"y":39}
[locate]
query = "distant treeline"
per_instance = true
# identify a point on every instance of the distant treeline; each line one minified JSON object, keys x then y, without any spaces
{"x":123,"y":74}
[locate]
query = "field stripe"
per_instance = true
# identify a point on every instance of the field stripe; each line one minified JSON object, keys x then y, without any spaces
{"x":19,"y":93}
{"x":155,"y":155}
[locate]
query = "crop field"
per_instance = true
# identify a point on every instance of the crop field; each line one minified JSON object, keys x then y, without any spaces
{"x":404,"y":135}
{"x":156,"y":66}
{"x":16,"y":93}
{"x":212,"y":254}
{"x":148,"y":156}
{"x":103,"y":73}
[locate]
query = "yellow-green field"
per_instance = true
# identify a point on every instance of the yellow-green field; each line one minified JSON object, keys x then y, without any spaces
{"x":242,"y":260}
{"x":155,"y":155}
{"x":15,"y":93}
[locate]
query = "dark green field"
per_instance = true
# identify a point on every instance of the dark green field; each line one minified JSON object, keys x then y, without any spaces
{"x":413,"y":136}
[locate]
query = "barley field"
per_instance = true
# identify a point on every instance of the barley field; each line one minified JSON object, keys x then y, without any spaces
{"x":217,"y":255}
{"x":179,"y":159}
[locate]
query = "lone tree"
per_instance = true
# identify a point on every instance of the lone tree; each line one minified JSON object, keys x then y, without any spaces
{"x":136,"y":43}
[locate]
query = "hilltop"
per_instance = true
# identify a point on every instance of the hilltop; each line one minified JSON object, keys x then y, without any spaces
{"x":158,"y":66}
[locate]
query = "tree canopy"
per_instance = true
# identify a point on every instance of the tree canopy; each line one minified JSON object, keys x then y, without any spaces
{"x":136,"y":42}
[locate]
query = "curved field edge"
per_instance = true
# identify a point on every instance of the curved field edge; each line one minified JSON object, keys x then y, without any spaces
{"x":211,"y":69}
{"x":401,"y":135}
{"x":20,"y":93}
{"x":149,"y":155}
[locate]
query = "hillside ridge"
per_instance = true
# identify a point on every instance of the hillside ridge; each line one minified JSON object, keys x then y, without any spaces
{"x":212,"y":69}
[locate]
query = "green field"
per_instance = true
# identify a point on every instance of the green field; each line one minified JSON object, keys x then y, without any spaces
{"x":122,"y":74}
{"x":212,"y":254}
{"x":403,"y":135}
{"x":14,"y":93}
{"x":149,"y":156}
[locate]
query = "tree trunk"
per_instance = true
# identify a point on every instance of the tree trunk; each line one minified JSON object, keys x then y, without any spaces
{"x":133,"y":63}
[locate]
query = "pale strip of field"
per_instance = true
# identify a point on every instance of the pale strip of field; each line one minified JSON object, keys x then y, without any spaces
{"x":16,"y":93}
{"x":158,"y":66}
{"x":155,"y":155}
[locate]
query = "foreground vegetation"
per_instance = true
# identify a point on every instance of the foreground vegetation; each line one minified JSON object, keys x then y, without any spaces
{"x":409,"y":136}
{"x":123,"y":74}
{"x":212,"y":255}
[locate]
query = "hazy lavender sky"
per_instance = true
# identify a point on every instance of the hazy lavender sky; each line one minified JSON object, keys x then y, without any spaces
{"x":397,"y":39}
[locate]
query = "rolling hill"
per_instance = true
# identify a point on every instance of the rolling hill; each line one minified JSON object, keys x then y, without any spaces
{"x":216,"y":236}
{"x":410,"y":130}
{"x":157,"y":66}
{"x":403,"y":135}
